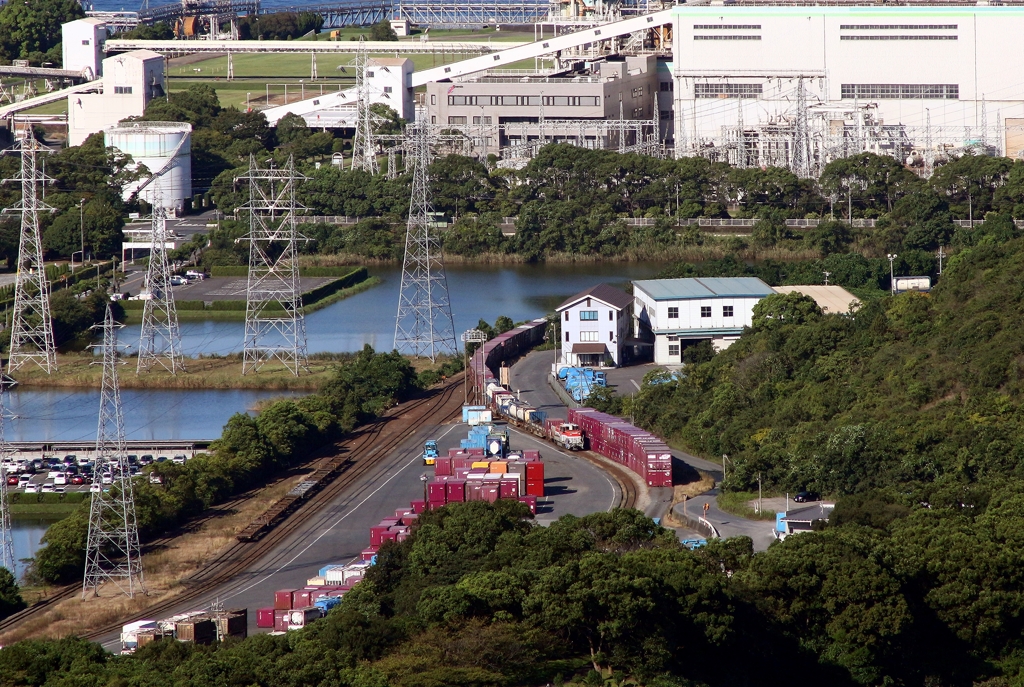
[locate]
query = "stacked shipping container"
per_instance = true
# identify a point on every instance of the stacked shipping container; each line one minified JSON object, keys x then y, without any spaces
{"x":637,"y":449}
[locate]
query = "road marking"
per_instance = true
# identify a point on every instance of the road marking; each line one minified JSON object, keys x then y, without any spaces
{"x":635,"y":384}
{"x":548,"y":445}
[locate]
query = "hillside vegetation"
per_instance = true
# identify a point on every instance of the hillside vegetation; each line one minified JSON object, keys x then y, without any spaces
{"x":909,"y":389}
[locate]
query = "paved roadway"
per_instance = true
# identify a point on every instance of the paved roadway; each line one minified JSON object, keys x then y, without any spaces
{"x":529,"y":376}
{"x":340,"y":530}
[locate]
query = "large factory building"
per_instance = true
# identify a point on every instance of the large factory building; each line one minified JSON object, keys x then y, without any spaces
{"x":764,"y":84}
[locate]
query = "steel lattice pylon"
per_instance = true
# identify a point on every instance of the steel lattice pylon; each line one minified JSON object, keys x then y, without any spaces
{"x":31,"y":326}
{"x":112,"y":553}
{"x":161,"y":341}
{"x":424,"y":325}
{"x":364,"y":153}
{"x":274,"y":323}
{"x":6,"y":539}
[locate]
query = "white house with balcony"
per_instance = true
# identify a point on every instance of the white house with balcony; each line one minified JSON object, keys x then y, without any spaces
{"x":595,"y":326}
{"x":676,"y":312}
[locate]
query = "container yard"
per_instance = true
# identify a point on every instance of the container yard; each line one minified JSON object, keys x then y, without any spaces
{"x":196,"y":627}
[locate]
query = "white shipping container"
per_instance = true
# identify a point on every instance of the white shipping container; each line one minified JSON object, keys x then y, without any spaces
{"x":299,"y":618}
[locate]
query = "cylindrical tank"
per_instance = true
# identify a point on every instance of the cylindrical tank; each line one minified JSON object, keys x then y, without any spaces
{"x":165,"y":148}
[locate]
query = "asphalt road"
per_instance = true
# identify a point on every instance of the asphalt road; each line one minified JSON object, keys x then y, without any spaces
{"x":340,"y":530}
{"x":529,"y":375}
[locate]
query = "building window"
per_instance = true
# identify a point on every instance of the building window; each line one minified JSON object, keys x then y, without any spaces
{"x":369,"y":75}
{"x":567,"y":336}
{"x":893,"y":37}
{"x":433,"y":100}
{"x":667,"y":86}
{"x":611,"y":336}
{"x":896,"y":27}
{"x":433,"y":119}
{"x":727,"y":90}
{"x":85,"y":42}
{"x":729,"y":38}
{"x":673,"y":337}
{"x":705,"y":311}
{"x":611,"y":316}
{"x":727,"y":27}
{"x":673,"y":313}
{"x":638,"y":92}
{"x":726,"y":311}
{"x":481,"y":120}
{"x":588,"y":336}
{"x":673,"y":349}
{"x":462,"y":100}
{"x":456,"y":120}
{"x":122,"y":90}
{"x":900,"y":91}
{"x":588,"y":315}
{"x":387,"y":89}
{"x":638,"y":113}
{"x":566,"y":315}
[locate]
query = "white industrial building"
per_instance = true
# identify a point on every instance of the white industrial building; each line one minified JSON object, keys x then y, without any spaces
{"x":804,"y":84}
{"x":130,"y":81}
{"x":82,"y":46}
{"x":676,"y":312}
{"x":165,"y":149}
{"x":595,"y":326}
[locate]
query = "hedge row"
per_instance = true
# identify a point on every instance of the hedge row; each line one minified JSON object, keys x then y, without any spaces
{"x":17,"y":497}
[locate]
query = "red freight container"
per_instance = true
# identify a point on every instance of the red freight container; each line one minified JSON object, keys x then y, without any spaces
{"x":418,"y":506}
{"x":402,"y":536}
{"x":388,"y":522}
{"x":281,"y":620}
{"x":283,"y":599}
{"x":435,"y":492}
{"x":265,"y":617}
{"x":474,"y":490}
{"x":368,"y":554}
{"x":531,"y":455}
{"x":535,"y":471}
{"x":456,"y":490}
{"x":300,"y":598}
{"x":390,"y":535}
{"x":509,"y":487}
{"x":475,"y":451}
{"x":534,"y":488}
{"x":490,"y":493}
{"x":375,"y":534}
{"x":408,"y":520}
{"x":530,"y":501}
{"x":442,"y":466}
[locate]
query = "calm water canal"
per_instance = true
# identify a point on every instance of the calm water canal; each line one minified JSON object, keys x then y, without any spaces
{"x":26,"y":533}
{"x":477,"y":291}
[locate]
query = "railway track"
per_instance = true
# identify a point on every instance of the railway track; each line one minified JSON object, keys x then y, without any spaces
{"x":362,"y":452}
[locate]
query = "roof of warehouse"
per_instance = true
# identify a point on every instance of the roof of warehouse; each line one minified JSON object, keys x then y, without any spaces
{"x":831,"y":298}
{"x":705,"y":287}
{"x":602,"y":292}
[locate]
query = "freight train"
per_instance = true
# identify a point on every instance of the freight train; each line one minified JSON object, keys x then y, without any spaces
{"x":610,"y":436}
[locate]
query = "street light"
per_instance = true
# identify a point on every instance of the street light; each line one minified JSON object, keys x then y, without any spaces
{"x":892,"y":280}
{"x":423,"y":478}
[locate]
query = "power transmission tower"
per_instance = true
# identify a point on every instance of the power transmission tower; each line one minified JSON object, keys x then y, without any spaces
{"x":6,"y":539}
{"x":161,"y":341}
{"x":31,"y":326}
{"x":112,"y":553}
{"x":424,"y":325}
{"x":364,"y":153}
{"x":801,"y":151}
{"x":274,"y":323}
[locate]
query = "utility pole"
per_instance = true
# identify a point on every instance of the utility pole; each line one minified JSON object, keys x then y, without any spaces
{"x":31,"y":326}
{"x":6,"y":538}
{"x":364,"y":149}
{"x":827,"y":275}
{"x":941,"y":254}
{"x":274,"y":323}
{"x":803,"y":154}
{"x":112,"y":553}
{"x":424,"y":325}
{"x":892,"y":279}
{"x":160,"y":342}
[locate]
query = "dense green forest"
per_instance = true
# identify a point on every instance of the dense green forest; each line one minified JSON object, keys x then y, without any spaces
{"x":904,"y":587}
{"x":909,"y":389}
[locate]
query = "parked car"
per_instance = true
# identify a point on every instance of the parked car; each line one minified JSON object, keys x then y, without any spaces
{"x":806,"y":497}
{"x":83,"y":461}
{"x":59,"y":490}
{"x":107,"y":478}
{"x":13,"y":480}
{"x":161,"y":459}
{"x":47,"y":487}
{"x":70,"y":460}
{"x":24,"y":480}
{"x":133,"y":459}
{"x":31,"y":489}
{"x":95,"y":488}
{"x":53,"y":472}
{"x":179,"y":459}
{"x":78,"y":479}
{"x":155,"y":478}
{"x":146,"y":459}
{"x":61,"y":478}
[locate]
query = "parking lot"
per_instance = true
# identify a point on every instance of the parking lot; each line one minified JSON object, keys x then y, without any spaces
{"x":75,"y":472}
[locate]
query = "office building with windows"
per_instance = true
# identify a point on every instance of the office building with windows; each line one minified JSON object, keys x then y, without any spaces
{"x":130,"y":81}
{"x":510,"y":110}
{"x":595,"y":325}
{"x":674,"y":313}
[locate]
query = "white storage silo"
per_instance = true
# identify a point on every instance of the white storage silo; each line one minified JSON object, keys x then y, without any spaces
{"x":165,"y":149}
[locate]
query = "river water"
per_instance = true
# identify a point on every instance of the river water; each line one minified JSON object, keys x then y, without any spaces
{"x":26,"y":533}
